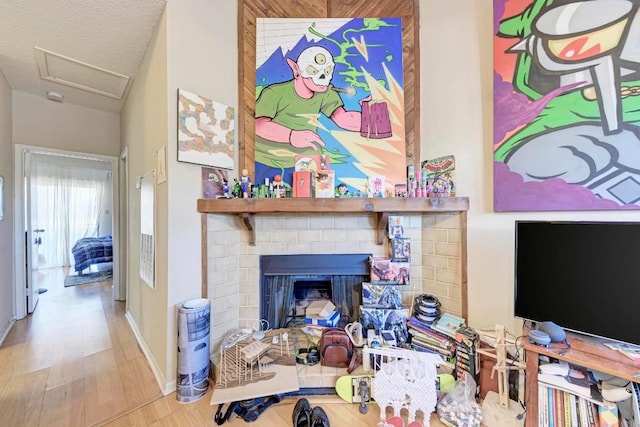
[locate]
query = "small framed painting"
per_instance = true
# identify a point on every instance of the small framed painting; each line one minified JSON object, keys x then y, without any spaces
{"x":206,"y":131}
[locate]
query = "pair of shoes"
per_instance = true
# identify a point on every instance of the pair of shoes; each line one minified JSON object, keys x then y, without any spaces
{"x":301,"y":415}
{"x":304,"y":416}
{"x":319,"y":418}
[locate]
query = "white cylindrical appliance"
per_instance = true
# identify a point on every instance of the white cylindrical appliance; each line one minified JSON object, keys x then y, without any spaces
{"x":192,"y":381}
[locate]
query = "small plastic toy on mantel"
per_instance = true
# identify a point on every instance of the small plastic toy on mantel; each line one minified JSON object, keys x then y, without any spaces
{"x":245,"y":184}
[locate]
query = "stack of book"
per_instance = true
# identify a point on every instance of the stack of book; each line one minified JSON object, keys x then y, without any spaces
{"x":424,"y":338}
{"x":467,"y":359}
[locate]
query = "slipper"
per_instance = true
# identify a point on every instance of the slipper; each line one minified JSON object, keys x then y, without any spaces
{"x":301,"y":415}
{"x":395,"y":422}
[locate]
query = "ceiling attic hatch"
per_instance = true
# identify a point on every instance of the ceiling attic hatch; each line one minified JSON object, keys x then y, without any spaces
{"x":67,"y":71}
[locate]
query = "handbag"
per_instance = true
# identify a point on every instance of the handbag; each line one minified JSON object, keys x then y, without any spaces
{"x":336,"y":348}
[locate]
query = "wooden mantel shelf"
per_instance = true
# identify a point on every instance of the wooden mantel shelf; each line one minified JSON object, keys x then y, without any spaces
{"x":382,"y":207}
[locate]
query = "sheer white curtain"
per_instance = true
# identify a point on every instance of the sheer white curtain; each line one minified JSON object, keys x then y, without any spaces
{"x":67,"y":203}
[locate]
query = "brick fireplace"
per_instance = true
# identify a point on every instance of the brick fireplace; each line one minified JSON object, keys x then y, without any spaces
{"x":438,"y":249}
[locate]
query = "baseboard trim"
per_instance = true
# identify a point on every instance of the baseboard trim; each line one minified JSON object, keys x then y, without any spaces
{"x":7,"y":330}
{"x":165,"y":388}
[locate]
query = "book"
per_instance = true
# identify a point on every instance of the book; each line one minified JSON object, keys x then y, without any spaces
{"x":400,"y":249}
{"x":608,"y":415}
{"x":560,"y":382}
{"x":396,"y":226}
{"x":573,"y":402}
{"x":448,"y":324}
{"x":376,"y":186}
{"x":583,"y":411}
{"x":325,"y":183}
{"x":558,"y":407}
{"x":311,"y":162}
{"x":214,"y":183}
{"x":566,"y":404}
{"x":543,"y":406}
{"x":440,"y":177}
{"x":303,"y":184}
{"x":552,"y":409}
{"x":576,"y":381}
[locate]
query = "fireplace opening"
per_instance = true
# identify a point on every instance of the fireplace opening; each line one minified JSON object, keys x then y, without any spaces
{"x":288,"y":282}
{"x":309,"y":289}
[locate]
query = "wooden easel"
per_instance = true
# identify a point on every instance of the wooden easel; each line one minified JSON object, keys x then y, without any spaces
{"x":504,"y":363}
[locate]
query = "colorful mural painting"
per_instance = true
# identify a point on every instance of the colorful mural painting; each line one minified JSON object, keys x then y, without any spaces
{"x":566,"y":105}
{"x":333,"y":88}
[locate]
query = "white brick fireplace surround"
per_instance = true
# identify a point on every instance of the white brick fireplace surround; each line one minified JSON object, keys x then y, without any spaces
{"x":438,"y":254}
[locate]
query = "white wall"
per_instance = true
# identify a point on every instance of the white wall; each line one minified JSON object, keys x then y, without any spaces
{"x":63,"y":126}
{"x":6,"y":225}
{"x":202,"y":57}
{"x":144,"y":131}
{"x":457,"y":118}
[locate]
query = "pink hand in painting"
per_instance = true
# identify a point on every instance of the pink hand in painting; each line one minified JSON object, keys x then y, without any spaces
{"x":306,"y":139}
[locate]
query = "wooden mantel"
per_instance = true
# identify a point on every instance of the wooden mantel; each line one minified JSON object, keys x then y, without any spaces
{"x":382,"y":207}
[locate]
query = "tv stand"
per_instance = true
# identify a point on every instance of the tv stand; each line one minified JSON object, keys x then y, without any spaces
{"x":585,"y":352}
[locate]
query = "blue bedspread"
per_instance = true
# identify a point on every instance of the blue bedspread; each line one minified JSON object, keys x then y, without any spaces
{"x":92,"y":250}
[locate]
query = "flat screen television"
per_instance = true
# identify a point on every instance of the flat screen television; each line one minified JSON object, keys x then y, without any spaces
{"x":583,"y":276}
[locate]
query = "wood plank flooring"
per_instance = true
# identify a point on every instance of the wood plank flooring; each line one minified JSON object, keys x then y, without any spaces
{"x":167,"y":412}
{"x":74,"y":361}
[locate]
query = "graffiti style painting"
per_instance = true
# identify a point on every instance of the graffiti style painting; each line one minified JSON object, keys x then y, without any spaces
{"x":566,"y":105}
{"x":206,"y":131}
{"x":334,"y":88}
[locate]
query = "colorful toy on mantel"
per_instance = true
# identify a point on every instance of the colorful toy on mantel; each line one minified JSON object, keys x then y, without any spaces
{"x":245,"y":184}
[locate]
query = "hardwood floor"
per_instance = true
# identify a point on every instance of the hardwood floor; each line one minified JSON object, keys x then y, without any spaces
{"x":167,"y":412}
{"x":74,"y":361}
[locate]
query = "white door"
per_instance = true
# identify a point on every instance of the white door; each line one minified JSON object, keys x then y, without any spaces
{"x":33,"y":236}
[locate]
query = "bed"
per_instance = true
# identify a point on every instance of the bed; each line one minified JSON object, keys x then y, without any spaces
{"x":92,"y":250}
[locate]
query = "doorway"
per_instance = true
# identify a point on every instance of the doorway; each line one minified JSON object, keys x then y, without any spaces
{"x":33,"y":235}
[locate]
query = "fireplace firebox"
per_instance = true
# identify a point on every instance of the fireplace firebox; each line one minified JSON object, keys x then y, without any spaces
{"x":287,"y":280}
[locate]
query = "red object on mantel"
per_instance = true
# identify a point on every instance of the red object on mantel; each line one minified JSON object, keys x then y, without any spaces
{"x":302,"y":184}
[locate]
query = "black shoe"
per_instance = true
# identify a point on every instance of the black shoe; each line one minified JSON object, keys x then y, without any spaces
{"x":301,"y":415}
{"x":319,"y":418}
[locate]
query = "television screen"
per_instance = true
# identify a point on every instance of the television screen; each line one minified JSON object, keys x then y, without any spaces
{"x":583,"y":276}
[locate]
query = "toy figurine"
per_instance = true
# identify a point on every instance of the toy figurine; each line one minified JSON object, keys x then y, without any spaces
{"x":342,"y":191}
{"x":278,"y":187}
{"x":237,"y":190}
{"x":225,"y":188}
{"x":245,"y":184}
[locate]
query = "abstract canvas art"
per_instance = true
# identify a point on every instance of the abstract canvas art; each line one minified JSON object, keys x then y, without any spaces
{"x":330,"y":87}
{"x":566,"y":105}
{"x":206,"y":131}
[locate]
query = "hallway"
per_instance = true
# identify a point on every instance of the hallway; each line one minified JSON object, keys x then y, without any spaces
{"x":74,"y":361}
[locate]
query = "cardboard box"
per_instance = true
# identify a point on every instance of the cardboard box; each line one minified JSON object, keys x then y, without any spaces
{"x":320,"y":308}
{"x":331,"y":321}
{"x":387,"y":272}
{"x":384,"y":296}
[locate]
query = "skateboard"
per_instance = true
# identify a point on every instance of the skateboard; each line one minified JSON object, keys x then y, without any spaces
{"x":355,"y":389}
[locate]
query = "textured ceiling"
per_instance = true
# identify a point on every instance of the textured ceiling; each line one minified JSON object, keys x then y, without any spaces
{"x":107,"y":34}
